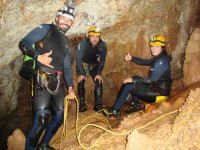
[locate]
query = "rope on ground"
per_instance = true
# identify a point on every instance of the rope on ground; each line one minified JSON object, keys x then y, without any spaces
{"x":64,"y":130}
{"x":58,"y":140}
{"x":78,"y":135}
{"x":114,"y":133}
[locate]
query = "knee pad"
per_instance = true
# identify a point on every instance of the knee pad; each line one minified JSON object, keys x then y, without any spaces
{"x":39,"y":124}
{"x":53,"y":125}
{"x":41,"y":118}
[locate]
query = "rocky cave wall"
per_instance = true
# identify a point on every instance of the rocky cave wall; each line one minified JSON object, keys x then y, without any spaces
{"x":179,"y":121}
{"x":126,"y":27}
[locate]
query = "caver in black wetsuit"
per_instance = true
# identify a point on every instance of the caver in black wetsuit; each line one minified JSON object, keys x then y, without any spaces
{"x":146,"y":89}
{"x":90,"y":59}
{"x":46,"y":99}
{"x":51,"y":75}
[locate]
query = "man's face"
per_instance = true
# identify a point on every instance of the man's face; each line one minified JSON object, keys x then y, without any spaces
{"x":94,"y":40}
{"x":64,"y":23}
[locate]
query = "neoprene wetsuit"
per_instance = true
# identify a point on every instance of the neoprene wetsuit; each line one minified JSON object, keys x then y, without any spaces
{"x":90,"y":59}
{"x":146,"y":89}
{"x":44,"y":101}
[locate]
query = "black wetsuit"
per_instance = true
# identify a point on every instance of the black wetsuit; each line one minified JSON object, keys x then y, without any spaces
{"x":90,"y":59}
{"x":43,"y":101}
{"x":158,"y":83}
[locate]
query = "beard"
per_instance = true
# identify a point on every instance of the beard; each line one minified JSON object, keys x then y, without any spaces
{"x":63,"y":29}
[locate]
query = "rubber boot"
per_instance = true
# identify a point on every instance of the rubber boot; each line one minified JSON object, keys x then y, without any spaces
{"x":111,"y":112}
{"x":44,"y":147}
{"x":81,"y":94}
{"x":98,"y":90}
{"x":135,"y":106}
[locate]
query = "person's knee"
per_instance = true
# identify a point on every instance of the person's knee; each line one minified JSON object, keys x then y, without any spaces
{"x":39,"y":124}
{"x":41,"y":118}
{"x":58,"y":114}
{"x":136,"y":77}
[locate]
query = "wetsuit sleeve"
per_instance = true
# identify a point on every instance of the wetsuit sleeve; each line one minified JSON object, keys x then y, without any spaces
{"x":102,"y":59}
{"x":160,"y":67}
{"x":25,"y":45}
{"x":79,"y":56}
{"x":68,"y":70}
{"x":143,"y":62}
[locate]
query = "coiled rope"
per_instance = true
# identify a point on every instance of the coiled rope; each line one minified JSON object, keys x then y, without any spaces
{"x":78,"y":135}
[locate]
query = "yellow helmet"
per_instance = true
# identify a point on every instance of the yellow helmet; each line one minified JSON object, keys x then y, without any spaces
{"x":94,"y":31}
{"x":157,"y":40}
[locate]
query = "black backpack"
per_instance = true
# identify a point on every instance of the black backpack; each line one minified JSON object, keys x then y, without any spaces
{"x":29,"y":64}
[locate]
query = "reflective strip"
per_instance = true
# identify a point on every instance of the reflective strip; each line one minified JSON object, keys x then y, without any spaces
{"x":85,"y":66}
{"x":160,"y":99}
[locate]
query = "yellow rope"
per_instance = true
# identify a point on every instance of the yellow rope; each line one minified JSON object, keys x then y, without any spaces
{"x":114,"y":133}
{"x":78,"y":135}
{"x":64,"y":131}
{"x":56,"y":141}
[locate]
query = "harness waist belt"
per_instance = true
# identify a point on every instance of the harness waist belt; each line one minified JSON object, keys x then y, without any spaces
{"x":49,"y":70}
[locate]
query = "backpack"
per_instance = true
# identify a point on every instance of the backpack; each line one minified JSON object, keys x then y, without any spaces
{"x":29,"y":64}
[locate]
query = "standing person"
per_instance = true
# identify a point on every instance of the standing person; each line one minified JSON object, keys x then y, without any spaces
{"x":53,"y":69}
{"x":152,"y":89}
{"x":91,"y":55}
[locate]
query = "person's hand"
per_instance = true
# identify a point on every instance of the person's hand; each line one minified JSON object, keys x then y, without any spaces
{"x":80,"y":77}
{"x":45,"y":59}
{"x":128,"y":57}
{"x":129,"y":80}
{"x":71,"y":94}
{"x":98,"y":77}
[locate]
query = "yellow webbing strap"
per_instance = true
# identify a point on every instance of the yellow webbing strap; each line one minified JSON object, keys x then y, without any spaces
{"x":160,"y":99}
{"x":32,"y":88}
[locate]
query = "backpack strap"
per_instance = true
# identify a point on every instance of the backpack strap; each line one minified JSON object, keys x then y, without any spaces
{"x":41,"y":42}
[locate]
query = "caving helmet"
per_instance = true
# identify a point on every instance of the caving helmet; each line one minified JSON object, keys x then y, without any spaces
{"x":94,"y":31}
{"x":157,"y":40}
{"x":67,"y":11}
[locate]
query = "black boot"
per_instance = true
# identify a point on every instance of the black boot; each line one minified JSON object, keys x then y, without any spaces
{"x":134,"y":108}
{"x":81,"y":94}
{"x":97,"y":108}
{"x":82,"y":108}
{"x":44,"y":147}
{"x":98,"y":90}
{"x":111,"y":112}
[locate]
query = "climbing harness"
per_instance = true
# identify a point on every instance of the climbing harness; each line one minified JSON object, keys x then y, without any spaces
{"x":85,"y":66}
{"x":45,"y":82}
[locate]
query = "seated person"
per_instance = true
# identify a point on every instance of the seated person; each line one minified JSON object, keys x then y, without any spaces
{"x":147,"y":89}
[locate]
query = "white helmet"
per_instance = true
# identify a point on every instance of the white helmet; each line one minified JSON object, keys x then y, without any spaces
{"x":67,"y":11}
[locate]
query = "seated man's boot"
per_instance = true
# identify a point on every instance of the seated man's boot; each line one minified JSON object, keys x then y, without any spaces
{"x":111,"y":112}
{"x":134,"y":108}
{"x":82,"y":108}
{"x":44,"y":147}
{"x":98,"y":108}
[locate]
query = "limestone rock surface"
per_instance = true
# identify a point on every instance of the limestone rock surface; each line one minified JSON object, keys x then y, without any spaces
{"x":191,"y":71}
